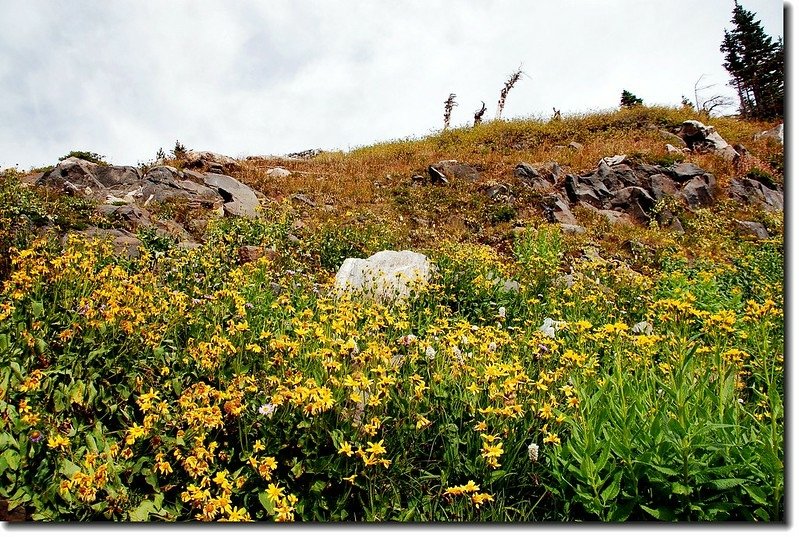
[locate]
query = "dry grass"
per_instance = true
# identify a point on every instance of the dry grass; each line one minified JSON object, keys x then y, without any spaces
{"x":374,"y":182}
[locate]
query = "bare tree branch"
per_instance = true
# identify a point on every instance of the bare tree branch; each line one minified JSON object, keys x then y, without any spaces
{"x":478,"y":115}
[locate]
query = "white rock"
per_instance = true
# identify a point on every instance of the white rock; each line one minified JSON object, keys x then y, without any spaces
{"x":775,"y":133}
{"x":385,"y":276}
{"x":614,"y":160}
{"x":278,"y":173}
{"x":696,"y":132}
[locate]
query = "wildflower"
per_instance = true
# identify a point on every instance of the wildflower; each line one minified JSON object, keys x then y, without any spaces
{"x":479,"y":498}
{"x":267,"y":409}
{"x":549,"y":327}
{"x":492,"y":452}
{"x":346,"y":449}
{"x":552,"y":438}
{"x":429,"y":352}
{"x":258,"y":446}
{"x":407,"y":339}
{"x":57,"y":442}
{"x":351,"y":478}
{"x":273,"y":492}
{"x":422,"y":422}
{"x":236,"y":514}
{"x":376,"y":449}
{"x":501,"y":313}
{"x":163,"y":467}
{"x":470,"y":486}
{"x":532,"y":452}
{"x":36,"y":437}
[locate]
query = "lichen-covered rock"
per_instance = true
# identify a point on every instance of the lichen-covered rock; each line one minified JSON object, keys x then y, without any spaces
{"x":385,"y":276}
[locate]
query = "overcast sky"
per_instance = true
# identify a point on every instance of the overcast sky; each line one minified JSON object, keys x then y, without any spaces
{"x":125,"y":78}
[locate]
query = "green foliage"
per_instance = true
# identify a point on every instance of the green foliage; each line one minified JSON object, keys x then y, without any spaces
{"x":24,"y":210}
{"x":502,"y":213}
{"x":539,"y":253}
{"x":629,"y":100}
{"x":335,"y":243}
{"x":87,"y":155}
{"x":756,"y":64}
{"x":762,"y":176}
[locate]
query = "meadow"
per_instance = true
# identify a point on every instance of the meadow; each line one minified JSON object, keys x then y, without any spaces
{"x":637,"y":374}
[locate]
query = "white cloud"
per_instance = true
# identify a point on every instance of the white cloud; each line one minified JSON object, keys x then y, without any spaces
{"x":247,"y":77}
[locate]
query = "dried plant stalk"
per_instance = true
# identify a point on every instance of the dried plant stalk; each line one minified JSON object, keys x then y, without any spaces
{"x":449,"y":104}
{"x":512,"y":80}
{"x":478,"y":115}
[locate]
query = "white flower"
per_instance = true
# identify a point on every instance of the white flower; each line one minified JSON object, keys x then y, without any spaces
{"x":430,"y":352}
{"x":267,"y":409}
{"x":407,"y":339}
{"x":532,"y":451}
{"x":550,"y":326}
{"x":492,"y":347}
{"x":501,"y":314}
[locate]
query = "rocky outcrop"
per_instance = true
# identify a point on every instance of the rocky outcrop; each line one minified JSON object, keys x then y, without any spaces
{"x":700,"y":137}
{"x":774,"y":134}
{"x":123,"y":185}
{"x":451,"y":170}
{"x":754,"y":192}
{"x":239,"y":199}
{"x":385,"y":276}
{"x":541,"y":178}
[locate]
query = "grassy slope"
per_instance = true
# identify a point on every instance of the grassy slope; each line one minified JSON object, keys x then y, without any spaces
{"x":119,"y":376}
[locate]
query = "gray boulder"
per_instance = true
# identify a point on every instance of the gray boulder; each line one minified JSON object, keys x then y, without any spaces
{"x":685,"y":171}
{"x":755,"y":229}
{"x":556,"y":210}
{"x":73,"y":175}
{"x":774,"y":134}
{"x":754,"y":192}
{"x":125,"y":243}
{"x":662,"y":186}
{"x":449,"y":170}
{"x":278,"y":173}
{"x":240,"y":200}
{"x":698,"y":192}
{"x":700,"y":137}
{"x":386,"y":276}
{"x":634,"y":201}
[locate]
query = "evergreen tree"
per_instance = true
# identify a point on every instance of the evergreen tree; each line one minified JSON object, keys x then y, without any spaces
{"x":756,"y":64}
{"x":629,"y":100}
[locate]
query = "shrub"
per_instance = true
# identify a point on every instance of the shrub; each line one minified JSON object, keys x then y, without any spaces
{"x":87,"y":155}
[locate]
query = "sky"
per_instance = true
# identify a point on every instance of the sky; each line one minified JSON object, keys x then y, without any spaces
{"x":125,"y":78}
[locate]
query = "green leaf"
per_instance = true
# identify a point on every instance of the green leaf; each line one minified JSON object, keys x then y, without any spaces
{"x":612,"y":490}
{"x":496,"y":475}
{"x":297,"y":470}
{"x":663,"y":469}
{"x":12,"y":458}
{"x":762,"y":514}
{"x":68,"y":468}
{"x":142,"y":512}
{"x":661,"y":513}
{"x":37,"y":309}
{"x":318,"y":486}
{"x":267,"y":503}
{"x":756,"y":494}
{"x":152,"y":480}
{"x":679,"y":488}
{"x":727,"y":483}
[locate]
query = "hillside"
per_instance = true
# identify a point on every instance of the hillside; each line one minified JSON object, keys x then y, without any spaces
{"x":600,"y":336}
